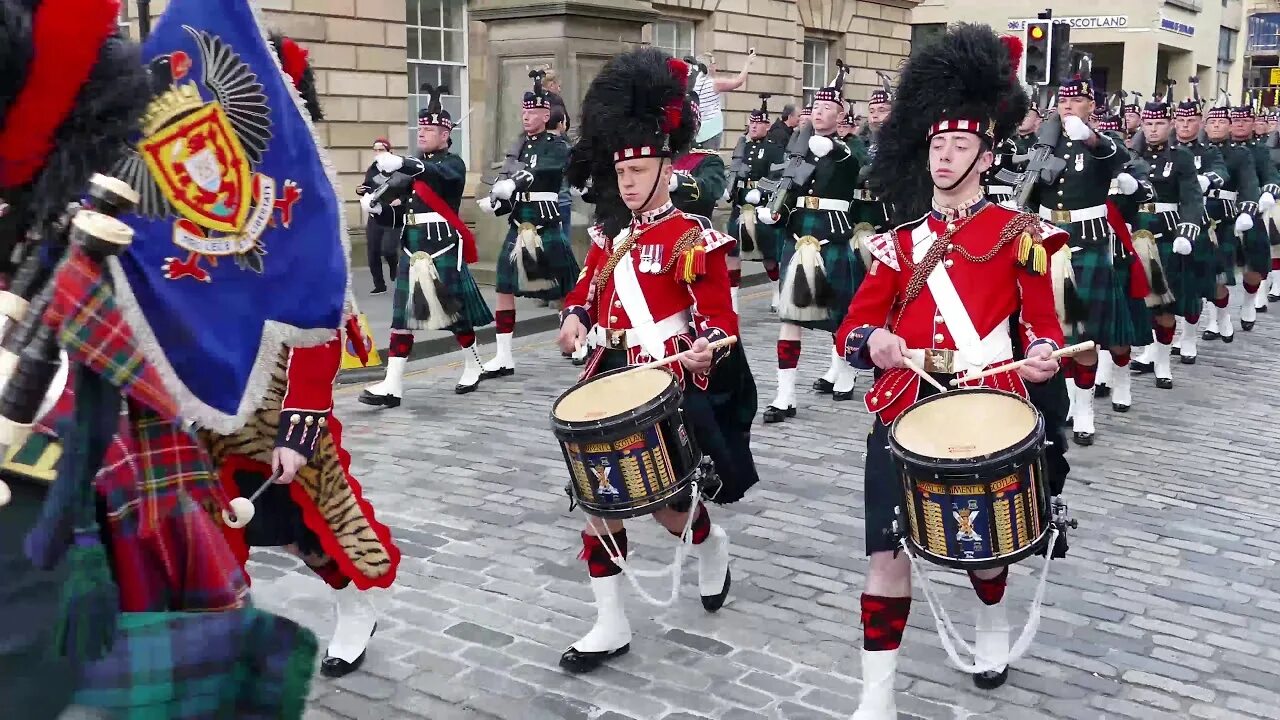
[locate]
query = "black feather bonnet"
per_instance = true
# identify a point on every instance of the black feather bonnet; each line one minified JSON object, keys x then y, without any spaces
{"x":636,"y":107}
{"x":63,"y":116}
{"x":964,"y":82}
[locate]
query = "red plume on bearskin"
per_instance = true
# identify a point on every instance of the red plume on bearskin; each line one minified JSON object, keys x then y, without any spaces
{"x":1013,"y":44}
{"x":674,"y":109}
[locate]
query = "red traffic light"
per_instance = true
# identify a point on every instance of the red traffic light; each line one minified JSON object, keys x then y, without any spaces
{"x":1037,"y":32}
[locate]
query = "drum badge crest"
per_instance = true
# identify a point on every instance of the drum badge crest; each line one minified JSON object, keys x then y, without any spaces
{"x":196,"y":162}
{"x":965,"y":518}
{"x":603,"y":484}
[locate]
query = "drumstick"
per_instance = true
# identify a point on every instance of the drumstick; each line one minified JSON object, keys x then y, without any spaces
{"x":911,"y":365}
{"x":723,"y":342}
{"x":1008,"y":367}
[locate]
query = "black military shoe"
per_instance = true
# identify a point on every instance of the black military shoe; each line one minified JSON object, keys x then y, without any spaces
{"x":776,"y":415}
{"x":576,"y":661}
{"x":824,"y":386}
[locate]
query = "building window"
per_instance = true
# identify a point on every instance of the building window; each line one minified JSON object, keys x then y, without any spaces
{"x":1226,"y":45}
{"x":674,"y":37}
{"x":436,"y":46}
{"x":816,"y":67}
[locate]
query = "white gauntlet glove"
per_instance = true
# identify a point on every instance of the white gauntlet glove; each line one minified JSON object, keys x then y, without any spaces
{"x":370,"y":205}
{"x":1244,"y":223}
{"x":1204,"y":183}
{"x":1266,"y":202}
{"x":820,"y":146}
{"x":388,"y":162}
{"x":503,"y":189}
{"x":766,"y":217}
{"x":753,"y":197}
{"x":1075,"y":128}
{"x":1126,"y":183}
{"x":486,"y":205}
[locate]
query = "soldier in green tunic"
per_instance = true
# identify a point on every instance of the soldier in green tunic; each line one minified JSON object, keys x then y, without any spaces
{"x":870,"y":215}
{"x":1231,"y":210}
{"x":820,"y":269}
{"x":1172,"y":221}
{"x":698,"y":181}
{"x":1253,"y":251}
{"x":1011,"y":154}
{"x":1188,"y":125}
{"x":536,"y":259}
{"x":1264,"y":130}
{"x":1093,"y":305}
{"x":1131,"y":113}
{"x":754,"y":162}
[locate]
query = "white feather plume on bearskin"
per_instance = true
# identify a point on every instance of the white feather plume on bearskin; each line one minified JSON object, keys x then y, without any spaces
{"x":806,"y":294}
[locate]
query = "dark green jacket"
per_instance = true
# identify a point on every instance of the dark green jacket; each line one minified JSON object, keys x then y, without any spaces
{"x":1086,"y":181}
{"x":835,"y":177}
{"x":761,"y":155}
{"x":1208,"y":161}
{"x":1242,"y":180}
{"x":1174,"y":177}
{"x":544,"y":157}
{"x":699,"y":186}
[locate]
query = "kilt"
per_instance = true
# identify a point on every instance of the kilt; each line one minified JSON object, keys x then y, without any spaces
{"x":1139,"y":314}
{"x":1255,"y":251}
{"x":874,"y":213}
{"x":31,"y":678}
{"x":1104,"y":293}
{"x":456,"y":277}
{"x":719,"y":418}
{"x":564,"y":266}
{"x":768,"y":238}
{"x":844,"y":267}
{"x":1180,"y":271}
{"x":1227,"y":251}
{"x":1204,"y":254}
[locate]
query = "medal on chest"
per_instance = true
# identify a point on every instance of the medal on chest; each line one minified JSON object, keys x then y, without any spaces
{"x":1168,"y":169}
{"x":650,"y":259}
{"x":1198,"y":162}
{"x":1080,"y":162}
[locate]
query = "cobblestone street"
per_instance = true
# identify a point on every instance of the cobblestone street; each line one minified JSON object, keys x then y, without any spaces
{"x":1167,"y":607}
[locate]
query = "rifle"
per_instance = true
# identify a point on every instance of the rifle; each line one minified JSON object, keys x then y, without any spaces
{"x":1042,"y":164}
{"x":795,"y":173}
{"x":739,"y":167}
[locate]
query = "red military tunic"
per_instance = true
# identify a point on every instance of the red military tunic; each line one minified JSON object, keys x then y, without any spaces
{"x":675,"y":273}
{"x":986,"y":263}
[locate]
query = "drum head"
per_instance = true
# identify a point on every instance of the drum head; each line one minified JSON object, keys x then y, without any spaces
{"x":964,"y":424}
{"x":611,"y":395}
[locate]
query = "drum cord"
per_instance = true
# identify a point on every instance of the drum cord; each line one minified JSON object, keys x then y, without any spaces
{"x":674,"y":570}
{"x":947,"y":630}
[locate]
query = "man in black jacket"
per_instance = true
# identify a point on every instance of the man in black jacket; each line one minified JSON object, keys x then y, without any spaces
{"x":382,"y":231}
{"x":781,"y":129}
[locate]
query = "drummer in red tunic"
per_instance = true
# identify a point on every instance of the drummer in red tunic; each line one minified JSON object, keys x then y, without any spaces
{"x":655,"y":283}
{"x":940,"y":291}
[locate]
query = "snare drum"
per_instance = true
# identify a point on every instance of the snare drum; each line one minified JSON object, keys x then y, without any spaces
{"x":973,"y":476}
{"x":625,"y":442}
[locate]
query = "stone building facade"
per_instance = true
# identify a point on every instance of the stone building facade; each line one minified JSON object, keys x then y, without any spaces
{"x":371,"y":56}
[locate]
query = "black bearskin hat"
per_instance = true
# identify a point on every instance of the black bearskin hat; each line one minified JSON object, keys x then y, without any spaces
{"x":967,"y":77}
{"x":636,"y":107}
{"x":74,"y":120}
{"x":294,"y":61}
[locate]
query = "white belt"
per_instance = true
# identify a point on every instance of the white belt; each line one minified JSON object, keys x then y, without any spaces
{"x":1224,"y":194}
{"x":424,"y":218}
{"x":670,"y":327}
{"x":1158,"y":207}
{"x":1081,"y":215}
{"x":538,"y":197}
{"x":999,"y":190}
{"x":864,"y":196}
{"x":809,"y":202}
{"x":997,"y":347}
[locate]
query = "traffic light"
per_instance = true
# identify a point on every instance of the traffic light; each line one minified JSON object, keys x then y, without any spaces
{"x":1038,"y":44}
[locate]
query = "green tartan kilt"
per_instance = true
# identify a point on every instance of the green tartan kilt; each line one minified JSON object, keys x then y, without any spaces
{"x":1205,"y":256}
{"x":456,"y":279}
{"x":1226,"y":254}
{"x":559,"y":254}
{"x":844,"y":267}
{"x":1184,"y":275}
{"x":1255,"y":253}
{"x":1103,"y":291}
{"x":872,"y":213}
{"x":768,"y":238}
{"x":1140,"y":318}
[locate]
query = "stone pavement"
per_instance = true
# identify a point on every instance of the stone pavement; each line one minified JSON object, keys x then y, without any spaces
{"x":1168,"y":606}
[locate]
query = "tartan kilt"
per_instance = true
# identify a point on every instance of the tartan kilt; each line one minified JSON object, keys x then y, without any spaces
{"x":456,"y":278}
{"x":767,"y":238}
{"x":1103,"y":290}
{"x":1226,"y":253}
{"x":1140,"y":317}
{"x":844,"y":267}
{"x":1204,"y":255}
{"x":1181,"y":271}
{"x":559,"y":253}
{"x":1255,"y":252}
{"x":244,"y":664}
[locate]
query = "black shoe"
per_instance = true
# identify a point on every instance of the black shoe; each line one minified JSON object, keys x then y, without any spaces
{"x":1141,"y":368}
{"x":584,"y":662}
{"x":1100,"y":391}
{"x":824,"y":386}
{"x":388,"y":401}
{"x":775,"y":415}
{"x":337,"y":667}
{"x":1210,"y":335}
{"x":461,"y":389}
{"x":1273,"y":298}
{"x":1083,"y":439}
{"x":990,"y":679}
{"x":1228,"y":339}
{"x":500,"y":372}
{"x":1246,"y":325}
{"x":712,"y":603}
{"x":1264,"y":308}
{"x":1120,"y":408}
{"x":379,"y":291}
{"x":1188,"y":360}
{"x":1175,"y":350}
{"x":842,"y":396}
{"x":1164,"y":383}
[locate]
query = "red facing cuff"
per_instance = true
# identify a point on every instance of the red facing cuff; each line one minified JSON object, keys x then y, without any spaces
{"x":308,"y":397}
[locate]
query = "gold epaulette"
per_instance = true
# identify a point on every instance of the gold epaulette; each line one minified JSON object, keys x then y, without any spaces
{"x":1031,"y":252}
